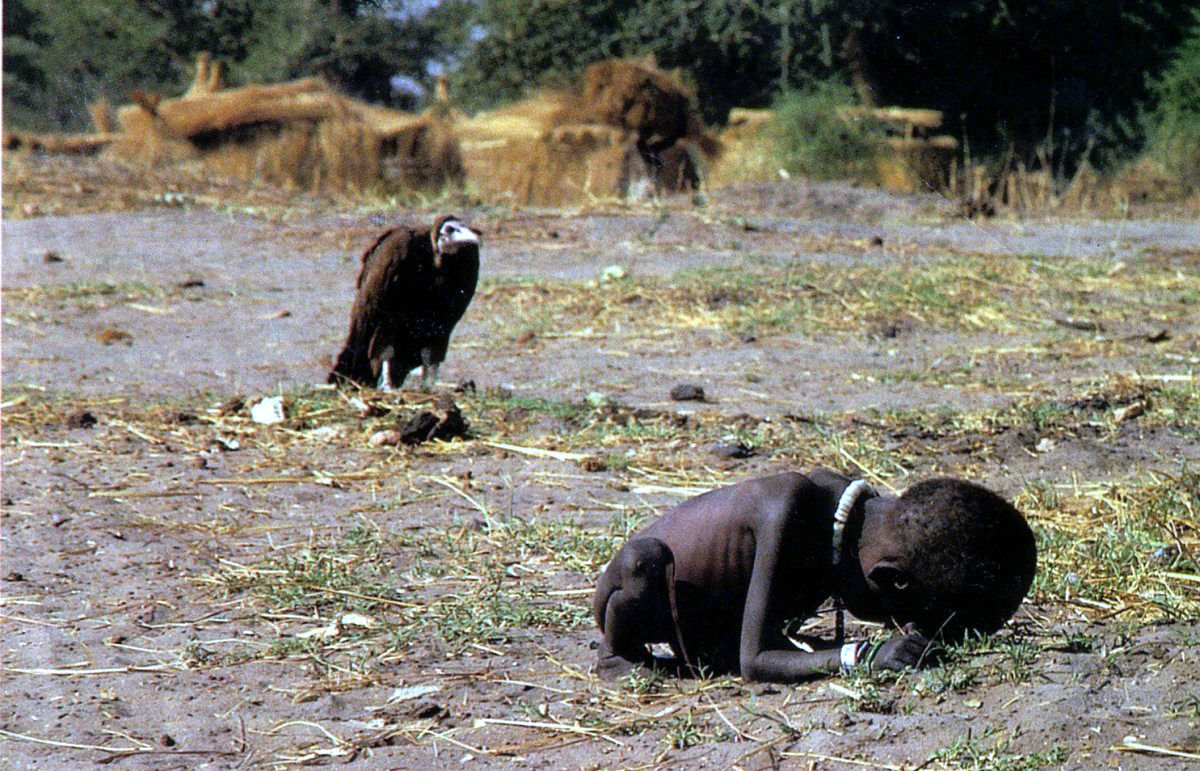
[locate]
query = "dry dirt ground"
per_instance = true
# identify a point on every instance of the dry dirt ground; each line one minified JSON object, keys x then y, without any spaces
{"x":184,"y":587}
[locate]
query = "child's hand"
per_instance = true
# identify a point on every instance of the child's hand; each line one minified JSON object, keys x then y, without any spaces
{"x":910,"y":649}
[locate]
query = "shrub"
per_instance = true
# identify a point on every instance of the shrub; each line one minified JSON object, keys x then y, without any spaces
{"x":817,"y":134}
{"x":1173,"y":125}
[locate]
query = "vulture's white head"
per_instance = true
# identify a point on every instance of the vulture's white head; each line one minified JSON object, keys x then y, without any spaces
{"x":449,"y":236}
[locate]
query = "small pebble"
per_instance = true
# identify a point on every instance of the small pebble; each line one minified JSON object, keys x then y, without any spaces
{"x":687,"y":392}
{"x":81,"y":419}
{"x":386,"y":438}
{"x":735,"y":450}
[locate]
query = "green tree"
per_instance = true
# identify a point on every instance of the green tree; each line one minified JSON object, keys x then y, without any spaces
{"x":1057,"y":75}
{"x":72,"y":53}
{"x":59,"y":56}
{"x":1173,"y":123}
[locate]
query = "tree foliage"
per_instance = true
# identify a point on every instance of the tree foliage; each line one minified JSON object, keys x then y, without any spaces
{"x":59,"y":57}
{"x":1174,"y":121}
{"x":1059,"y":75}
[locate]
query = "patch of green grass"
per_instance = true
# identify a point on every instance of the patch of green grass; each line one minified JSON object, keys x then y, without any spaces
{"x":84,"y":290}
{"x":1116,"y":544}
{"x":868,"y":691}
{"x":970,"y":292}
{"x":989,"y":752}
{"x":463,"y":585}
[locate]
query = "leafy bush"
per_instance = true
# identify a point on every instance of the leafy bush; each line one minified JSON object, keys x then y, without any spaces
{"x":1173,"y":125}
{"x":817,"y":135}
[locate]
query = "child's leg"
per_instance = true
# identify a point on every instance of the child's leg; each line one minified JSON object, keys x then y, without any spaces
{"x":632,"y":605}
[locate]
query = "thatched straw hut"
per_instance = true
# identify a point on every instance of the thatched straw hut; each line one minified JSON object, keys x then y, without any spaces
{"x":301,"y":133}
{"x":626,"y":131}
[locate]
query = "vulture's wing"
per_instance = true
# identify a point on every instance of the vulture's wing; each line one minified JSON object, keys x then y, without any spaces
{"x":373,"y":315}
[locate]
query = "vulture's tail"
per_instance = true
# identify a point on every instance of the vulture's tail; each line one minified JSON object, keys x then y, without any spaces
{"x":353,"y":366}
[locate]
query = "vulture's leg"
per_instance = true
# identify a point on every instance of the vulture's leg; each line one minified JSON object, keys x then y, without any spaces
{"x":385,"y":370}
{"x":385,"y":380}
{"x":429,"y":369}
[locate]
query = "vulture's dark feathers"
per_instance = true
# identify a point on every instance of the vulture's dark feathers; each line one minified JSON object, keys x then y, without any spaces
{"x":413,"y":288}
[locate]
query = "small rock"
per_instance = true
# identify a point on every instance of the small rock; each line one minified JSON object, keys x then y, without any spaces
{"x":1129,"y":412}
{"x":1045,"y":444}
{"x":735,"y":450}
{"x":613,"y":273}
{"x":1093,"y":402}
{"x":526,"y":337}
{"x":166,"y":740}
{"x":1160,"y":336}
{"x":231,"y":406}
{"x":199,"y":462}
{"x":268,"y":411}
{"x":419,"y":428}
{"x":190,"y":283}
{"x":1164,"y":555}
{"x":428,"y":710}
{"x":112,"y":335}
{"x":386,"y":438}
{"x":876,"y":240}
{"x":13,"y":575}
{"x":81,"y":419}
{"x":59,"y":520}
{"x":687,"y":392}
{"x":593,"y":464}
{"x":51,"y":256}
{"x":465,"y":387}
{"x":184,"y":418}
{"x":891,"y":329}
{"x":426,"y":426}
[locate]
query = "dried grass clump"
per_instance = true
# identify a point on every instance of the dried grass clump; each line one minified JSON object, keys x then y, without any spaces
{"x":633,"y":94}
{"x":748,"y":154}
{"x":301,"y":134}
{"x":628,"y":129}
{"x":1147,"y":180}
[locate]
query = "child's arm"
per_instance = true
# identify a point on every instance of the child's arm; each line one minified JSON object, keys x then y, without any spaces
{"x":774,"y":531}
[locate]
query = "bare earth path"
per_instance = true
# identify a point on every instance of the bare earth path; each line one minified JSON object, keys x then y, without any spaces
{"x":183,"y":587}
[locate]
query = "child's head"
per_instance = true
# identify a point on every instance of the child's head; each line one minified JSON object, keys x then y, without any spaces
{"x":951,"y":557}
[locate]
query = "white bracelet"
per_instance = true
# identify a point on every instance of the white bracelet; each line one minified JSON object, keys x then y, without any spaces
{"x":849,"y":655}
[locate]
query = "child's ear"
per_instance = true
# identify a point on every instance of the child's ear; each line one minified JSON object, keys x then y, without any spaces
{"x":890,"y":578}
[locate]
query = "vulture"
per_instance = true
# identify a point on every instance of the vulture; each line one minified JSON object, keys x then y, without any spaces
{"x":413,"y":287}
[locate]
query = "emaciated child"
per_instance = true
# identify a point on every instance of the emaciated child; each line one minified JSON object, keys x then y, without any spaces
{"x":718,"y":577}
